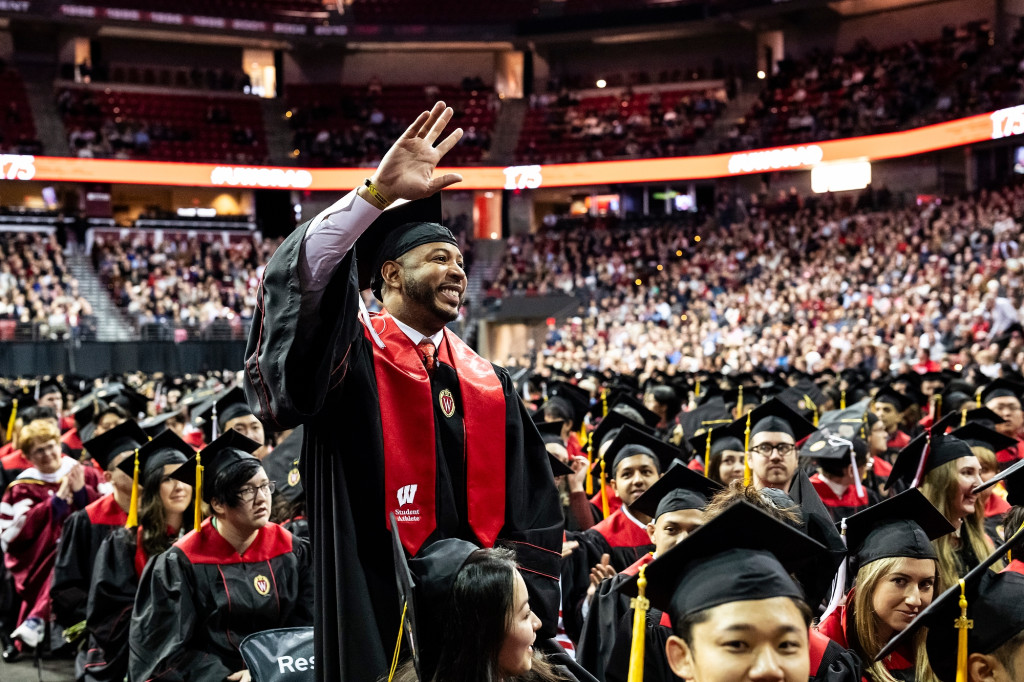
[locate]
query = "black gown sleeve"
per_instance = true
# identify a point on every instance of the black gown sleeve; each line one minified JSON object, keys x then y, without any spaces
{"x":302,"y":613}
{"x":838,"y":665}
{"x":109,"y":610}
{"x":71,"y":572}
{"x":298,"y":346}
{"x":656,"y":668}
{"x":164,"y":624}
{"x":599,"y":628}
{"x":533,"y":513}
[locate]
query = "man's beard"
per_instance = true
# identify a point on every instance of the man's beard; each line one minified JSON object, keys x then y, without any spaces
{"x":422,"y":294}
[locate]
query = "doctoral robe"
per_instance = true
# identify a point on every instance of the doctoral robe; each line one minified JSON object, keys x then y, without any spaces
{"x":315,"y":362}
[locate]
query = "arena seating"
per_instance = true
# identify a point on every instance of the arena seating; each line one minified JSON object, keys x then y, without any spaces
{"x":107,"y":122}
{"x":17,"y":128}
{"x":355,"y":124}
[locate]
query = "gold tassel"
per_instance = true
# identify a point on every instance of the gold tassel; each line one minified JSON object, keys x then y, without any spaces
{"x":588,"y":484}
{"x":977,"y":397}
{"x":739,"y":401}
{"x":707,"y":455}
{"x":842,"y":399}
{"x":938,"y":406}
{"x":963,"y":418}
{"x":963,"y":624}
{"x":14,"y":418}
{"x":199,"y":491}
{"x":696,"y":389}
{"x":748,"y":475}
{"x":133,"y":506}
{"x":605,"y":509}
{"x":604,"y":403}
{"x":814,"y":408}
{"x":639,"y":604}
{"x":398,"y":644}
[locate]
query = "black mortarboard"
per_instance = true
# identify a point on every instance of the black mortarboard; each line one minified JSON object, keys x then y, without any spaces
{"x":558,"y":467}
{"x":976,"y":434}
{"x":741,"y":555}
{"x":608,"y":425}
{"x":229,"y":449}
{"x":396,"y":231}
{"x":711,"y":414}
{"x":650,"y":418}
{"x":632,"y":441}
{"x":751,"y":395}
{"x":425,"y":585}
{"x":1013,"y":480}
{"x":994,"y":616}
{"x":1001,"y":388}
{"x":773,"y":415}
{"x":551,"y":429}
{"x":721,"y":440}
{"x":231,"y":405}
{"x":888,"y":394}
{"x":155,"y":425}
{"x":122,"y":438}
{"x":940,"y":450}
{"x":167,"y":448}
{"x":680,"y":488}
{"x":901,"y":526}
{"x":826,"y":445}
{"x":575,"y":398}
{"x":282,"y":466}
{"x":47,"y":386}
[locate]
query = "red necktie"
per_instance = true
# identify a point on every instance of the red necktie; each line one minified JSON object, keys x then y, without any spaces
{"x":429,"y":353}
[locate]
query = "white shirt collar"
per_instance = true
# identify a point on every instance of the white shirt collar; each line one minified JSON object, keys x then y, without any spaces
{"x":416,"y":337}
{"x":625,"y":510}
{"x":838,"y":488}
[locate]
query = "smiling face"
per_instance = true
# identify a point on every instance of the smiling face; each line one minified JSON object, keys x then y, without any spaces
{"x":902,"y":593}
{"x":968,"y":477}
{"x":731,"y":467}
{"x":516,"y":655}
{"x":763,"y":640}
{"x":430,"y":281}
{"x":633,"y":476}
{"x":46,"y":456}
{"x":174,"y":494}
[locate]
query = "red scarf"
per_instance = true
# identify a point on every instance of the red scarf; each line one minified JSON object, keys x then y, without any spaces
{"x":407,"y":411}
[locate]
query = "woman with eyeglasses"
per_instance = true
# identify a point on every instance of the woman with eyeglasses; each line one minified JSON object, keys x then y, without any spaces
{"x":236,"y":574}
{"x":159,"y":508}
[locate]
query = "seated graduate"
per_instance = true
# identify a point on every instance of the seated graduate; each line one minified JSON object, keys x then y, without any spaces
{"x":987,"y":444}
{"x":468,"y":611}
{"x":947,"y":471}
{"x":722,"y":455}
{"x":157,"y":519}
{"x":282,"y":466}
{"x":570,"y":477}
{"x":735,"y":611}
{"x":975,"y":629}
{"x":839,"y":481}
{"x":32,"y":514}
{"x":1012,"y":479}
{"x":896,"y":569}
{"x":87,"y":528}
{"x":675,"y":504}
{"x":184,"y":627}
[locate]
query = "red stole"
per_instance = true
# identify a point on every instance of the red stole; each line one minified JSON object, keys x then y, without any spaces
{"x":996,"y":504}
{"x":898,"y":441}
{"x":1016,"y":566}
{"x":614,"y":501}
{"x":830,"y":499}
{"x":620,"y":531}
{"x":106,"y":512}
{"x":634,"y":568}
{"x":407,"y":412}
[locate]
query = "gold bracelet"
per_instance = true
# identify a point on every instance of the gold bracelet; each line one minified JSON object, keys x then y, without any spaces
{"x":371,"y":188}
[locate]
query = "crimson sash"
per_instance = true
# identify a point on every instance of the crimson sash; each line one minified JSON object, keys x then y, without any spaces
{"x":410,"y":457}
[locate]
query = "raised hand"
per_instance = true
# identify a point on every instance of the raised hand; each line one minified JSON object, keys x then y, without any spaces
{"x":407,"y":169}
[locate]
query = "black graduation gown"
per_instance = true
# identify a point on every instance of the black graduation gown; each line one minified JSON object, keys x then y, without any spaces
{"x":656,"y":668}
{"x":80,"y":540}
{"x":198,"y":600}
{"x":109,"y":610}
{"x":314,"y":366}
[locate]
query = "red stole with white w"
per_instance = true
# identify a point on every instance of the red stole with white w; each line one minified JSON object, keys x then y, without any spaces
{"x":407,"y":417}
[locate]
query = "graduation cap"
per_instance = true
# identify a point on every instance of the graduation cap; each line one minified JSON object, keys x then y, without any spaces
{"x":230,"y":448}
{"x":889,"y":395}
{"x":742,"y":554}
{"x":775,"y":416}
{"x":1001,"y":388}
{"x":425,"y":585}
{"x":934,"y":451}
{"x":157,"y":424}
{"x":551,"y":432}
{"x":649,"y":417}
{"x":680,"y":488}
{"x":396,"y":231}
{"x":978,"y":615}
{"x":226,"y":406}
{"x":558,"y":467}
{"x":713,"y":442}
{"x":124,"y":437}
{"x":282,"y":466}
{"x":167,"y":448}
{"x":614,"y":420}
{"x":976,"y":434}
{"x":901,"y":526}
{"x":631,"y":441}
{"x":711,"y":414}
{"x":572,"y":398}
{"x":1012,"y":478}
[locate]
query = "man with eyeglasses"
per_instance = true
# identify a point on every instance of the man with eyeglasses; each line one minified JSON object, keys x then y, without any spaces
{"x":1002,"y":396}
{"x":772,"y":432}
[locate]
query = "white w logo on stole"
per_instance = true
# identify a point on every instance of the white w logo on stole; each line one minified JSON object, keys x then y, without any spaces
{"x":406,"y":494}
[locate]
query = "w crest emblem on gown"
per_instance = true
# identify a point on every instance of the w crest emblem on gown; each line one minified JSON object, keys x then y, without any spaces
{"x":262,"y":585}
{"x":294,"y":477}
{"x":447,"y":402}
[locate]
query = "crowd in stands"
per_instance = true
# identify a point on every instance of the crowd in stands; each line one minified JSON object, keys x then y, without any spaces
{"x":195,"y":78}
{"x":39,"y":299}
{"x":17,"y":127}
{"x":125,"y":125}
{"x":184,"y":288}
{"x":354,"y":125}
{"x":808,"y":283}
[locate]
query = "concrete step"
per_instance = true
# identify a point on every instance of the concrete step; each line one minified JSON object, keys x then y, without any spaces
{"x":111,"y":323}
{"x":38,"y":79}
